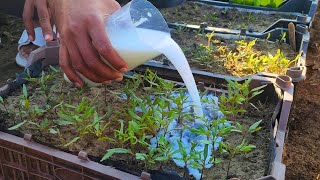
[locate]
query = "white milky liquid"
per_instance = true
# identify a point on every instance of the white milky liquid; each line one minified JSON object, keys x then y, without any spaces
{"x":135,"y":52}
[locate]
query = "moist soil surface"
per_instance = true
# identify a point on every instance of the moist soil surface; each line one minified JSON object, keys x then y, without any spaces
{"x":10,"y":31}
{"x":198,"y":58}
{"x":302,"y":146}
{"x":196,"y":13}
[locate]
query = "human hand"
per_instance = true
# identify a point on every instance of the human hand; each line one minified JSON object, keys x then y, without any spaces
{"x":44,"y":18}
{"x":83,"y":39}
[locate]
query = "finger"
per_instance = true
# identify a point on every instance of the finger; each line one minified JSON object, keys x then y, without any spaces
{"x":93,"y":61}
{"x":44,"y":19}
{"x":79,"y":64}
{"x":28,"y":11}
{"x":104,"y":47}
{"x":67,"y":67}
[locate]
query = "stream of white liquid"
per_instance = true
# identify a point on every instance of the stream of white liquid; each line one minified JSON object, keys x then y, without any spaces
{"x":135,"y":51}
{"x":176,"y":56}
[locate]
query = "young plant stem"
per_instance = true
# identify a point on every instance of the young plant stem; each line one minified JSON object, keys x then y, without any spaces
{"x":185,"y":172}
{"x":229,"y":163}
{"x":202,"y":171}
{"x":20,"y":113}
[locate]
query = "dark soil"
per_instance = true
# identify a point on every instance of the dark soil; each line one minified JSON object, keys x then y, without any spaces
{"x":196,"y":13}
{"x":190,"y":43}
{"x":302,"y":147}
{"x":10,"y":31}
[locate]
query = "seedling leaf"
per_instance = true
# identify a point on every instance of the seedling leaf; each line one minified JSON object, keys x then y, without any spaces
{"x":110,"y":152}
{"x":72,"y":141}
{"x":17,"y":126}
{"x":162,"y":158}
{"x":24,"y":90}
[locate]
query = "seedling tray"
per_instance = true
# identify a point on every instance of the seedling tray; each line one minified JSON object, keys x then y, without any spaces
{"x":21,"y":158}
{"x":230,"y":18}
{"x":297,"y":73}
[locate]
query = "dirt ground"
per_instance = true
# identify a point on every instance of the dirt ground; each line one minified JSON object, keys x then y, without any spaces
{"x":303,"y":144}
{"x":10,"y":32}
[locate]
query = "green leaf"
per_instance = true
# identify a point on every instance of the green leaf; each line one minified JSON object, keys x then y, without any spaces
{"x":206,"y":142}
{"x":162,"y":158}
{"x":63,"y":123}
{"x":247,"y":148}
{"x":258,"y":88}
{"x":215,"y":161}
{"x":256,"y":93}
{"x":254,"y":127}
{"x":134,"y":115}
{"x":110,"y":152}
{"x":69,"y":106}
{"x":141,"y":156}
{"x":24,"y":90}
{"x":195,"y":165}
{"x":66,"y":117}
{"x":17,"y":126}
{"x":96,"y":120}
{"x":1,"y":100}
{"x":72,"y":141}
{"x":53,"y":69}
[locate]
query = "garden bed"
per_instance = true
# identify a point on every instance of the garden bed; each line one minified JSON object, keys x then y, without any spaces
{"x":291,"y":6}
{"x":231,"y":55}
{"x":47,"y":117}
{"x":223,"y":17}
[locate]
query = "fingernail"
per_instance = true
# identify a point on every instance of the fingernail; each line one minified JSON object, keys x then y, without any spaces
{"x":107,"y":82}
{"x":77,"y":84}
{"x":124,"y":70}
{"x":47,"y":37}
{"x":119,"y":79}
{"x":30,"y":38}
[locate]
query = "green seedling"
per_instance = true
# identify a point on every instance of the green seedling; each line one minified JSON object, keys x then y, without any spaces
{"x":42,"y":82}
{"x":212,"y":17}
{"x":246,"y":60}
{"x":43,"y":126}
{"x":247,"y":131}
{"x":79,"y":116}
{"x":151,"y":158}
{"x":200,"y":160}
{"x":203,"y":54}
{"x":165,"y":148}
{"x":111,"y":152}
{"x":24,"y":104}
{"x":282,"y":38}
{"x":187,"y":158}
{"x":237,"y":99}
{"x":231,"y":152}
{"x":99,"y":126}
{"x":212,"y":131}
{"x":3,"y":103}
{"x":224,"y":11}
